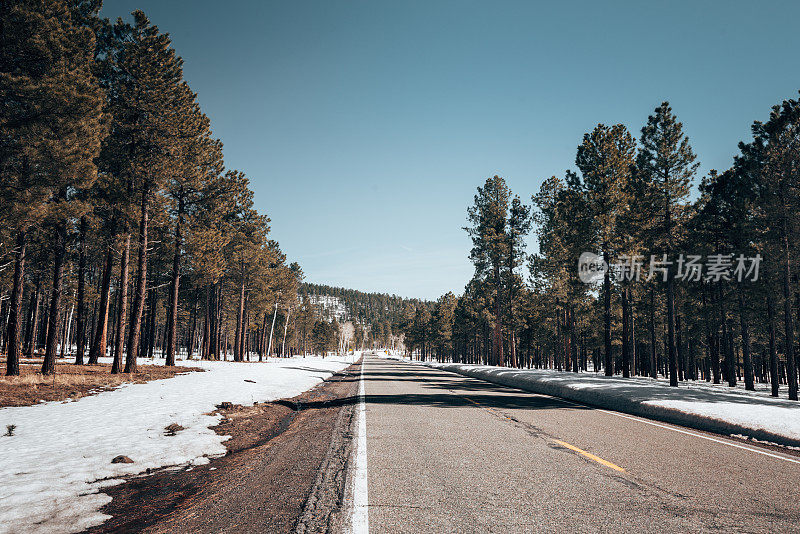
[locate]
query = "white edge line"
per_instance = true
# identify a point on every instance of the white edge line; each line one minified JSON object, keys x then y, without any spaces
{"x":360,"y":520}
{"x":709,"y":438}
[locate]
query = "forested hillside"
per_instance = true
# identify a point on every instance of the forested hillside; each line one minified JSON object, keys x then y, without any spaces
{"x":382,"y":317}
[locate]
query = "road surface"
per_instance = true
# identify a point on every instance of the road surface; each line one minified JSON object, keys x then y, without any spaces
{"x":447,"y":453}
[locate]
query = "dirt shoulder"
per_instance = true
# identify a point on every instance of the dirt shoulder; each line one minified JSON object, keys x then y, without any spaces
{"x":73,"y":381}
{"x":264,"y":483}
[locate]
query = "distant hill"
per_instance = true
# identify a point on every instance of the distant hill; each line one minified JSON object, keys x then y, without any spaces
{"x":364,"y":308}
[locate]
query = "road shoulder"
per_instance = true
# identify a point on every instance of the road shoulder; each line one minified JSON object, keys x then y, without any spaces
{"x":269,"y":479}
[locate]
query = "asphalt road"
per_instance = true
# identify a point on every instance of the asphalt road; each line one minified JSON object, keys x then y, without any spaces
{"x":448,"y":453}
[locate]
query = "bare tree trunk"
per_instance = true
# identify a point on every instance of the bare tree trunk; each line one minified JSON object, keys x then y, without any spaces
{"x":573,"y":340}
{"x":141,"y":287}
{"x":773,"y":354}
{"x":215,"y":341}
{"x":791,"y":367}
{"x":511,"y":322}
{"x":673,"y":357}
{"x":211,"y":311}
{"x":272,"y":329}
{"x":263,"y":348}
{"x":172,"y":319}
{"x":15,"y":313}
{"x":626,"y":334}
{"x":608,"y":361}
{"x":498,"y":321}
{"x":149,"y":337}
{"x":566,"y":338}
{"x":67,"y":330}
{"x":193,"y":331}
{"x":653,"y":358}
{"x":98,"y":347}
{"x":749,"y":381}
{"x":49,"y":365}
{"x":80,"y":330}
{"x":285,"y":329}
{"x":680,"y":344}
{"x":206,"y":350}
{"x":711,"y":335}
{"x":245,"y":343}
{"x":238,"y":338}
{"x":91,"y":324}
{"x":122,"y":305}
{"x":221,"y":324}
{"x":4,"y":312}
{"x":35,"y":317}
{"x":559,"y":341}
{"x":730,"y":364}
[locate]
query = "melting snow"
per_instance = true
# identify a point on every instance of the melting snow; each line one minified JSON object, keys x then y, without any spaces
{"x":55,"y":465}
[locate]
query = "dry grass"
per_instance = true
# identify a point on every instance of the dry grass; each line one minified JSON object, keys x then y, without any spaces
{"x":72,"y":381}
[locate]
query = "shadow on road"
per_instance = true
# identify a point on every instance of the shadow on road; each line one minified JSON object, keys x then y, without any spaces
{"x":442,"y":394}
{"x":441,"y":400}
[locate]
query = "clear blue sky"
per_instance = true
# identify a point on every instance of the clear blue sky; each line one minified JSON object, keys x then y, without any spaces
{"x":366,"y":126}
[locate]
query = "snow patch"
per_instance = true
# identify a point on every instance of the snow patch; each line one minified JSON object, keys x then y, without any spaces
{"x":59,"y":459}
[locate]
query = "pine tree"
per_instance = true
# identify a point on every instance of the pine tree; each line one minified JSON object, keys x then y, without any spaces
{"x":667,"y":164}
{"x":51,"y":127}
{"x":248,"y":256}
{"x":147,"y":111}
{"x":731,"y":208}
{"x":442,"y":326}
{"x":81,"y":295}
{"x":519,"y":225}
{"x":323,"y":337}
{"x":564,"y":231}
{"x":488,"y":217}
{"x":606,"y":161}
{"x":775,"y":156}
{"x":198,"y":160}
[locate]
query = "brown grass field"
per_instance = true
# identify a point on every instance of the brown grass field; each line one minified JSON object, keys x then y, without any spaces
{"x":71,"y":381}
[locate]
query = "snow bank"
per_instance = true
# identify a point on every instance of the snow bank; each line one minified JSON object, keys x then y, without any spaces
{"x":59,"y":457}
{"x":698,"y":406}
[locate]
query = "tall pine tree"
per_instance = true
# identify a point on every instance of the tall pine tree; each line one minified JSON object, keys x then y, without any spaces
{"x":489,"y":217}
{"x":667,"y":164}
{"x":606,"y":160}
{"x":51,"y":127}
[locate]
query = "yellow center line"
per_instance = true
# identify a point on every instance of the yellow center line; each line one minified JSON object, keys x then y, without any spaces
{"x":590,"y":455}
{"x":582,"y":452}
